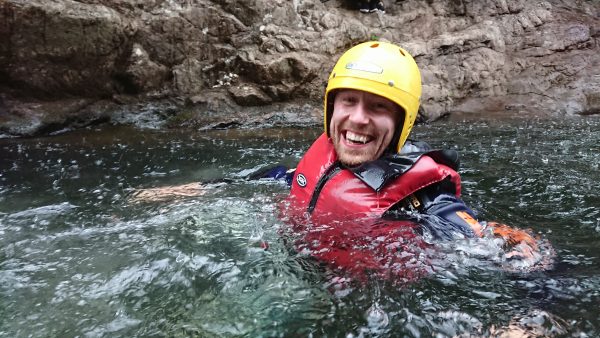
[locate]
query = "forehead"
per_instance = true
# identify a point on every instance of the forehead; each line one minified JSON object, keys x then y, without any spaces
{"x":345,"y":92}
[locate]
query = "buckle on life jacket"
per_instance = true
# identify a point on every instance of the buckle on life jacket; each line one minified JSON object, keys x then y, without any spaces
{"x":414,"y":201}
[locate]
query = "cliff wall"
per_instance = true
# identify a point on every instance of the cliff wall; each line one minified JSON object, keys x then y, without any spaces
{"x":220,"y":63}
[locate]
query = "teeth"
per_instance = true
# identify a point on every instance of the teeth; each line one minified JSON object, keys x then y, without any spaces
{"x":352,"y":137}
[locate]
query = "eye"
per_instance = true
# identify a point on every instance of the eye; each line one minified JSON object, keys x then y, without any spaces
{"x":348,"y":98}
{"x":382,"y":106}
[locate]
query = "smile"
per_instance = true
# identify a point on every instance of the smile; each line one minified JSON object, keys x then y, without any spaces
{"x":357,"y":138}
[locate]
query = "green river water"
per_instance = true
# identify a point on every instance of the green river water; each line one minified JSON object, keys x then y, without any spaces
{"x":79,"y":259}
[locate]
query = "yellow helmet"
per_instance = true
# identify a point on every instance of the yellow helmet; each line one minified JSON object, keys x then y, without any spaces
{"x":383,"y":69}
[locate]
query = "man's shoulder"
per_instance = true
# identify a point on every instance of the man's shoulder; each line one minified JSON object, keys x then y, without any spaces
{"x":380,"y":172}
{"x":415,"y":149}
{"x":414,"y":146}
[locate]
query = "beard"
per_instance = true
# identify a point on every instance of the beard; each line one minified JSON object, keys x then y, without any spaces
{"x":352,"y":157}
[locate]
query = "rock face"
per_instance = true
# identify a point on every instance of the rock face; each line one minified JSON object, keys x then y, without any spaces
{"x":67,"y":63}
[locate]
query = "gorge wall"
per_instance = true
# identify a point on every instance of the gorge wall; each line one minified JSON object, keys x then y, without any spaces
{"x":220,"y":63}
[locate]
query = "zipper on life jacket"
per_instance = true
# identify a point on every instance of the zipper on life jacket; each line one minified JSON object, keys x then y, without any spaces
{"x":329,"y":173}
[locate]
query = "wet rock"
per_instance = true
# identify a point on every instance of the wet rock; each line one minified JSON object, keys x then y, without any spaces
{"x":146,"y":115}
{"x":44,"y":117}
{"x":61,"y":48}
{"x":143,"y":74}
{"x":248,"y":95}
{"x":188,"y":77}
{"x":593,"y":103}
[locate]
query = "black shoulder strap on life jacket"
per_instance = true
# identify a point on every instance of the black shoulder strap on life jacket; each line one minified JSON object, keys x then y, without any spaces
{"x":446,"y":157}
{"x":376,"y":174}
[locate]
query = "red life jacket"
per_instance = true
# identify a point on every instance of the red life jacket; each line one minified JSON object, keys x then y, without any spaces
{"x":336,"y":216}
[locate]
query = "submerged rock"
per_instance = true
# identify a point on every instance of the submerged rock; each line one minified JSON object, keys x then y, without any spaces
{"x":475,"y":56}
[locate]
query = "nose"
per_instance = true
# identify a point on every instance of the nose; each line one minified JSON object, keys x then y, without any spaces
{"x":359,"y":114}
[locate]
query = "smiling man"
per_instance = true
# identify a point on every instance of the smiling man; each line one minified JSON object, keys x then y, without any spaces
{"x":357,"y":167}
{"x":363,"y":197}
{"x":361,"y":188}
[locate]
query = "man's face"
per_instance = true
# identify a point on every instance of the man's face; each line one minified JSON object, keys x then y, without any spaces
{"x":362,"y":125}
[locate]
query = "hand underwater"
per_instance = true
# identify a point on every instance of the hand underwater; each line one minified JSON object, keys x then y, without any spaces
{"x":523,"y":250}
{"x":166,"y":193}
{"x":513,"y":236}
